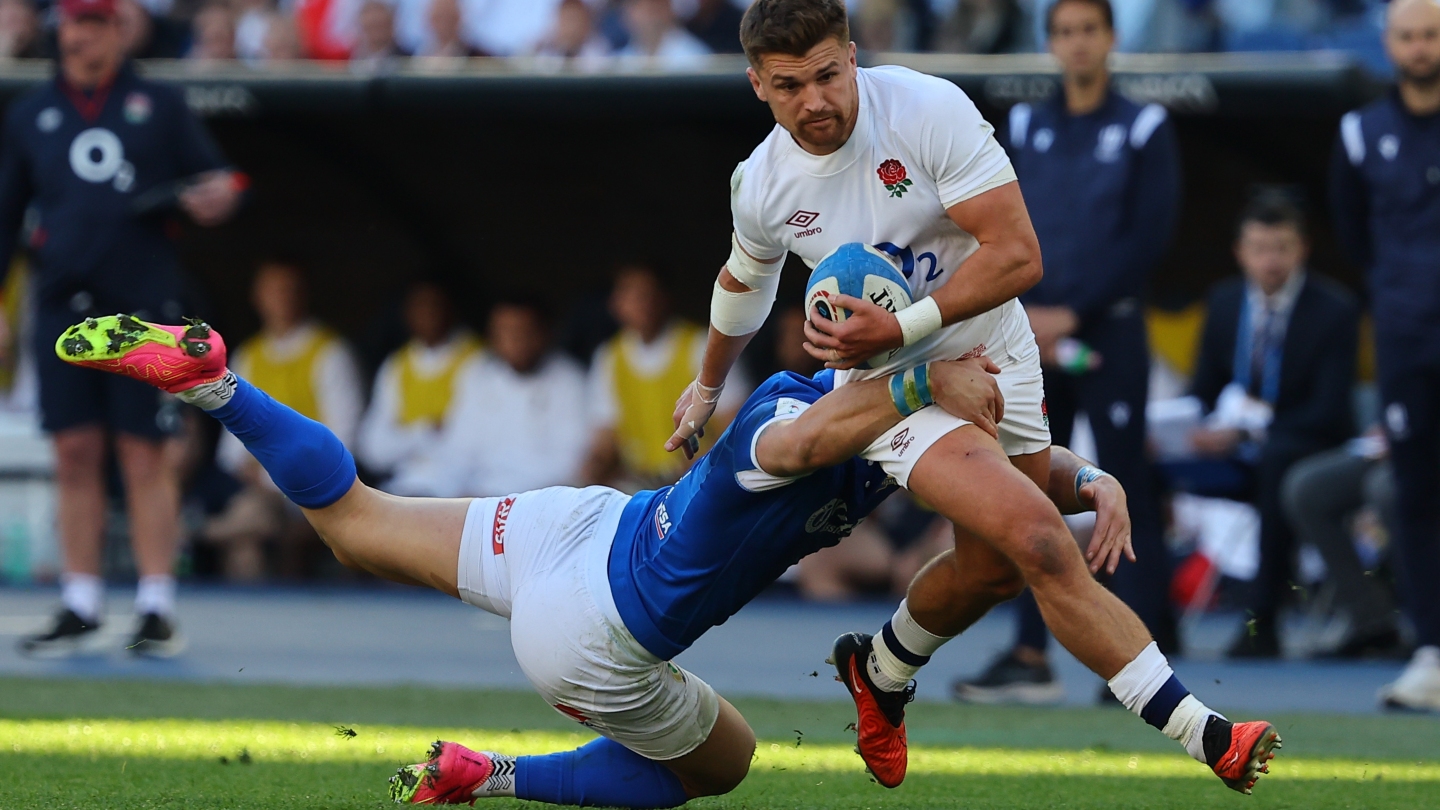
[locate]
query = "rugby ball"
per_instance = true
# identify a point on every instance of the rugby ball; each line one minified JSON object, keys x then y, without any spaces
{"x":860,"y":271}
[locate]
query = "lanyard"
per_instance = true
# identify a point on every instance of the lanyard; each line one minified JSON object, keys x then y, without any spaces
{"x":1245,"y":350}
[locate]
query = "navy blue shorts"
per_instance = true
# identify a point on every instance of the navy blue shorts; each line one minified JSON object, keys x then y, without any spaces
{"x":71,"y":396}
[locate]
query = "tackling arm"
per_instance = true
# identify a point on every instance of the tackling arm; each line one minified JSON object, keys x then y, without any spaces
{"x":1095,"y":491}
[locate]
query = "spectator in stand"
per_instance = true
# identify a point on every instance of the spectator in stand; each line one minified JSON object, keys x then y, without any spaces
{"x":656,"y":39}
{"x":1276,"y":371}
{"x":326,"y":29}
{"x":1102,"y":181}
{"x":982,"y":26}
{"x":1321,"y":495}
{"x":308,"y":367}
{"x":252,"y":21}
{"x":20,"y":31}
{"x":508,"y":27}
{"x":214,"y":34}
{"x":443,"y":45}
{"x":282,"y":39}
{"x":633,"y":380}
{"x":522,"y":421}
{"x":574,"y":38}
{"x":375,"y":50}
{"x":415,"y":395}
{"x":147,"y":36}
{"x":717,"y":24}
{"x":1385,"y":188}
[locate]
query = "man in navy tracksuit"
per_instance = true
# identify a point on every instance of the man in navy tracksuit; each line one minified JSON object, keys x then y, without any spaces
{"x":1101,"y":178}
{"x":1385,"y":188}
{"x":84,"y":153}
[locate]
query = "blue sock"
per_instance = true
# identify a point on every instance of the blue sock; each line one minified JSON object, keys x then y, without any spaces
{"x":306,"y":461}
{"x":601,"y":773}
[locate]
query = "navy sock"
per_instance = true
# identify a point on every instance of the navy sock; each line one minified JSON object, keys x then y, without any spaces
{"x":602,"y":773}
{"x":306,"y":461}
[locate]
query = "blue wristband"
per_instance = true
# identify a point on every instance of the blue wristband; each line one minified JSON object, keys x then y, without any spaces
{"x":910,"y":390}
{"x":1086,"y":475}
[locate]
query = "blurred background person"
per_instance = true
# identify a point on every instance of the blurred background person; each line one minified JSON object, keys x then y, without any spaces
{"x":574,"y":38}
{"x":633,"y":379}
{"x":213,"y":34}
{"x":414,"y":396}
{"x":66,"y":145}
{"x":307,"y":366}
{"x":444,"y":45}
{"x":1276,"y":372}
{"x":252,"y":19}
{"x":717,"y":24}
{"x":282,"y":41}
{"x":20,"y":36}
{"x":1324,"y":498}
{"x":1385,"y":187}
{"x":657,"y":39}
{"x":147,"y":36}
{"x":522,"y":421}
{"x":508,"y":27}
{"x":982,"y":26}
{"x":1102,"y":182}
{"x":375,"y":49}
{"x":326,"y":29}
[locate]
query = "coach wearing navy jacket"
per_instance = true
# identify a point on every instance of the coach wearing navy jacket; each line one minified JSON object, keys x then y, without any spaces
{"x":1101,"y":178}
{"x":84,"y":154}
{"x":1385,"y":189}
{"x":1282,"y":341}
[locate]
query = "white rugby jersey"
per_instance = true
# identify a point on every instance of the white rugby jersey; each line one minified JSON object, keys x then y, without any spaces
{"x":919,"y":147}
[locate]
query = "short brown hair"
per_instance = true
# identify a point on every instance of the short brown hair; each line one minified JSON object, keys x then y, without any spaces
{"x":1106,"y":10}
{"x":791,"y":27}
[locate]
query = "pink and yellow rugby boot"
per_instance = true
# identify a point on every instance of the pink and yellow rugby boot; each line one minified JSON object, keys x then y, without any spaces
{"x":171,"y":358}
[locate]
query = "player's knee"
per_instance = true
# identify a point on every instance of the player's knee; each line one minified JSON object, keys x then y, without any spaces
{"x":78,"y":457}
{"x":1041,"y":550}
{"x":728,"y":774}
{"x":1005,"y":586}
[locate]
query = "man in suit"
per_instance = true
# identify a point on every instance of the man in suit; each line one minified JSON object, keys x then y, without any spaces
{"x":1277,"y":364}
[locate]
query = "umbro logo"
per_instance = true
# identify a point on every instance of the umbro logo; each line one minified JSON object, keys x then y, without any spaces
{"x":803,"y":219}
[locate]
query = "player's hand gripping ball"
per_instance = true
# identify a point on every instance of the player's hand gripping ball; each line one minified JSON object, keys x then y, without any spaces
{"x":860,"y":271}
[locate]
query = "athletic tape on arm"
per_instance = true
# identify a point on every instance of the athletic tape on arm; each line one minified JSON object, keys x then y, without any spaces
{"x":735,"y":314}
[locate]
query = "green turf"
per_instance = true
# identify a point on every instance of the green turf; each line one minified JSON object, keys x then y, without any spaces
{"x":90,"y":745}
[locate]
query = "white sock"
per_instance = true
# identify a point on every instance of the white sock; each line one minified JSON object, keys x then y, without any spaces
{"x":901,"y":649}
{"x":211,"y":395}
{"x":501,"y":781}
{"x":1177,"y":713}
{"x":82,"y":594}
{"x":156,"y":594}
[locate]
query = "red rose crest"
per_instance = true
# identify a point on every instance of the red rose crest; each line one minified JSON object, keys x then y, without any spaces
{"x":892,"y":174}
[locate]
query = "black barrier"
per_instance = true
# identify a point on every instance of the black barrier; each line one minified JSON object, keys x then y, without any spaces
{"x":503,"y":175}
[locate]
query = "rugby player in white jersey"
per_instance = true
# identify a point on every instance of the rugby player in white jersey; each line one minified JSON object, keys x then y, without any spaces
{"x":904,"y":161}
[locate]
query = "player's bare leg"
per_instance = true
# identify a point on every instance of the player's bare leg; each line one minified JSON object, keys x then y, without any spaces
{"x":410,"y":540}
{"x":1002,"y":504}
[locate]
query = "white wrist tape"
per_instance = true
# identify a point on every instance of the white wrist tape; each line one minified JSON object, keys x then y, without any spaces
{"x":735,"y":314}
{"x":919,"y":320}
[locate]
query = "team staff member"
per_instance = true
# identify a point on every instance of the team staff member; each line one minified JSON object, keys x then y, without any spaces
{"x":1385,"y":187}
{"x":1101,"y":177}
{"x":80,"y":151}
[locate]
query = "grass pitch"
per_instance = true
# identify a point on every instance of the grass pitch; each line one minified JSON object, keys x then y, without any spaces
{"x":81,"y":744}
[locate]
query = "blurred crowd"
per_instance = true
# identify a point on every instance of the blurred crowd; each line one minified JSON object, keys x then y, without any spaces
{"x":375,"y":35}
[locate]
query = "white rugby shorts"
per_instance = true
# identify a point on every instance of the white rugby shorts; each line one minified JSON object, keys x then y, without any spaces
{"x":540,"y":559}
{"x":1024,"y":430}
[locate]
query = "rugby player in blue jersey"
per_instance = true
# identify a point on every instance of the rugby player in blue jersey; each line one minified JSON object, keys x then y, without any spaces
{"x":602,"y":589}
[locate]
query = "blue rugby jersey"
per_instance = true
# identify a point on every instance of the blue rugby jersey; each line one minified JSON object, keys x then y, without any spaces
{"x":1385,"y":195}
{"x":1103,"y":191}
{"x":686,"y":558}
{"x":81,"y":160}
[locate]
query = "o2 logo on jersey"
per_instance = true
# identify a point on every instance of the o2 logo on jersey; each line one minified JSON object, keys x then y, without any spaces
{"x":1112,"y":139}
{"x":909,"y":262}
{"x":97,"y":156}
{"x":832,"y":518}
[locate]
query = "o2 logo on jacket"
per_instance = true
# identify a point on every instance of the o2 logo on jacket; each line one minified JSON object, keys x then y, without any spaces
{"x":97,"y":156}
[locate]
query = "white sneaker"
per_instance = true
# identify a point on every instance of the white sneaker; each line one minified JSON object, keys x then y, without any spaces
{"x":1418,"y":687}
